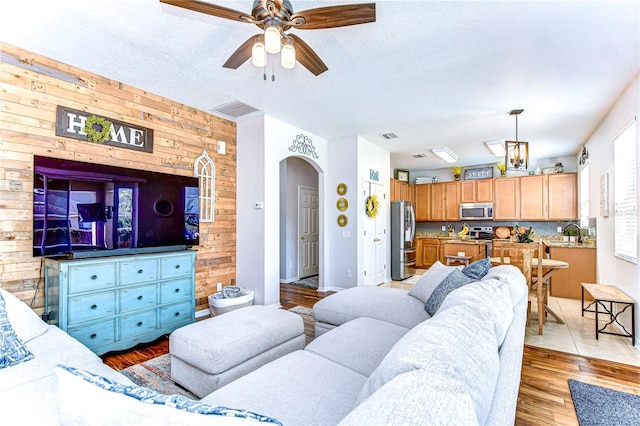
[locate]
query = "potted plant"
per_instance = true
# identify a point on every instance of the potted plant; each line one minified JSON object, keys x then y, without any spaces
{"x":502,"y":168}
{"x":569,"y":235}
{"x":457,"y":170}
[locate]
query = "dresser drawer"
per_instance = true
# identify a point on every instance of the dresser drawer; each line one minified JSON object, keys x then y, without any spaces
{"x":176,"y":266}
{"x":139,"y":323}
{"x":96,"y":334}
{"x":138,"y":271}
{"x":91,"y":277}
{"x":92,"y":306}
{"x":175,"y":290}
{"x":172,"y":314}
{"x":141,"y":297}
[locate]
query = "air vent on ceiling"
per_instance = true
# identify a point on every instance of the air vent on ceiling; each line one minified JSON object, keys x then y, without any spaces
{"x":389,"y":136}
{"x":420,"y":155}
{"x":234,"y":109}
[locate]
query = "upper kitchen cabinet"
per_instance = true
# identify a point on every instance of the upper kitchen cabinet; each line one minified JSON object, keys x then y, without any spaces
{"x":476,"y":191}
{"x":452,"y":200}
{"x":437,"y":202}
{"x":563,"y":196}
{"x":506,"y":198}
{"x":400,"y":190}
{"x":422,"y":196}
{"x":533,"y":197}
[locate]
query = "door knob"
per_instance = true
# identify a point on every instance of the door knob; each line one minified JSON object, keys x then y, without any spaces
{"x":302,"y":238}
{"x":375,"y":240}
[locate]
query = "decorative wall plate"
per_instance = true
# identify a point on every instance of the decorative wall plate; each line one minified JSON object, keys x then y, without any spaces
{"x":342,"y":204}
{"x":342,"y":189}
{"x":342,"y":220}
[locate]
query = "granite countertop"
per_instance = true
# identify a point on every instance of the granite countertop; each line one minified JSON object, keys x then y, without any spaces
{"x":549,"y":240}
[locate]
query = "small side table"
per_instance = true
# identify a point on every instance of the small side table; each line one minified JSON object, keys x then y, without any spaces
{"x":609,"y":294}
{"x":459,"y":259}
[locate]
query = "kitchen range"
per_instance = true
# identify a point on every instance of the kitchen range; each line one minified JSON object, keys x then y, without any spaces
{"x":483,"y":233}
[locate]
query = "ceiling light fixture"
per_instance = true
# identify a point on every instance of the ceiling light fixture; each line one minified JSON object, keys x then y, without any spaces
{"x":272,"y":36}
{"x":446,"y":154}
{"x":258,"y":53}
{"x":497,"y":147}
{"x":273,"y":41}
{"x":516,"y":153}
{"x":288,"y":54}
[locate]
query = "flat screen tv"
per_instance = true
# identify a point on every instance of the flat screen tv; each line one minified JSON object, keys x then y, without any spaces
{"x":81,"y":207}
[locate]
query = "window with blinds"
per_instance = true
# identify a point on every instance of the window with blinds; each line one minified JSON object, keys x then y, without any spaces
{"x":625,"y":196}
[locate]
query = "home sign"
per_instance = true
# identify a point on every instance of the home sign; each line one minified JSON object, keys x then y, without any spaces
{"x":71,"y":123}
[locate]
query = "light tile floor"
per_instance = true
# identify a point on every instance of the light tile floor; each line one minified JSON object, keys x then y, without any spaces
{"x":576,"y":336}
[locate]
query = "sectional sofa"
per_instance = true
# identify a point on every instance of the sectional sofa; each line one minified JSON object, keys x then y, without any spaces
{"x":460,"y":365}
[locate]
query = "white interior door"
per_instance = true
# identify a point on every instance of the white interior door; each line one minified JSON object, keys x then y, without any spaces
{"x":308,"y":231}
{"x":374,"y":238}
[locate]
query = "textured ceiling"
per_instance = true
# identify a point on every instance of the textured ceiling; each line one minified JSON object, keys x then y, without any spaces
{"x":435,"y":73}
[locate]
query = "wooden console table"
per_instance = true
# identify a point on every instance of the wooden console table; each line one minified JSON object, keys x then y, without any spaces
{"x":608,"y":293}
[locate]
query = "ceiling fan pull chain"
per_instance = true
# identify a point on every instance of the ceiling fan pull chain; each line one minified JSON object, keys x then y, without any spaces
{"x":273,"y":72}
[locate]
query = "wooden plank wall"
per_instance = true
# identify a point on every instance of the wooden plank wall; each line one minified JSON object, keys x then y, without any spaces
{"x":31,"y":86}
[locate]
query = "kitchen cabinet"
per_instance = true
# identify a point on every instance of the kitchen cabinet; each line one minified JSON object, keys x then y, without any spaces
{"x":422,"y":195}
{"x":477,"y":249}
{"x":533,"y":197}
{"x":116,"y":302}
{"x":400,"y":191}
{"x":452,"y":201}
{"x":506,"y":198}
{"x":428,"y":252}
{"x":563,"y":197}
{"x":567,"y":282}
{"x":476,"y":191}
{"x":436,"y":202}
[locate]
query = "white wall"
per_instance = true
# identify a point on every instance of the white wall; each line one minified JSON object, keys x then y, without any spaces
{"x":611,"y":270}
{"x":262,"y":143}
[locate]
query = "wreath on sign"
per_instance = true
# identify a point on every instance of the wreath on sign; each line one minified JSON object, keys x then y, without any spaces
{"x":372,"y":206}
{"x":98,"y":129}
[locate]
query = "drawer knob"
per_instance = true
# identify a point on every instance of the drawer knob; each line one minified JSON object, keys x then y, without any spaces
{"x":94,"y":277}
{"x":93,"y":336}
{"x":177,"y":290}
{"x":139,"y":297}
{"x":139,"y":323}
{"x":94,"y":306}
{"x":139,"y":271}
{"x":177,"y":266}
{"x":177,"y":314}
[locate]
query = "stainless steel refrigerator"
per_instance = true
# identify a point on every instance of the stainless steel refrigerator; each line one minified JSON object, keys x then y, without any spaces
{"x":403,"y":245}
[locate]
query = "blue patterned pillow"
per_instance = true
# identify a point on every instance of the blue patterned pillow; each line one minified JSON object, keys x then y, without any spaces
{"x":454,"y":280}
{"x":478,"y":269}
{"x":12,"y":350}
{"x":148,"y":397}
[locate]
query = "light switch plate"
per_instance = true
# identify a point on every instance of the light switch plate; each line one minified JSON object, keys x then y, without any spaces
{"x":259,"y":205}
{"x":559,"y":229}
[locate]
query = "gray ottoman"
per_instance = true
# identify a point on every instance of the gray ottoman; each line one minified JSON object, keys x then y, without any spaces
{"x":209,"y":354}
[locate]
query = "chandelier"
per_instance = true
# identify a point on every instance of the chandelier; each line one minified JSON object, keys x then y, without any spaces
{"x":516,"y":152}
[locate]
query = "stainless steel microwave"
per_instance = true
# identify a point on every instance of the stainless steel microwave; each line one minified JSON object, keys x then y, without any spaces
{"x":476,"y":211}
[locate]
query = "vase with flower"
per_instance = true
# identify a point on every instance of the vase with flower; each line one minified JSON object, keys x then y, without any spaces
{"x":522,"y":234}
{"x":502,"y":168}
{"x":457,"y":171}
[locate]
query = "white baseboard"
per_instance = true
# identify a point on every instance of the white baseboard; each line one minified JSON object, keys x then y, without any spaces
{"x":289,"y":280}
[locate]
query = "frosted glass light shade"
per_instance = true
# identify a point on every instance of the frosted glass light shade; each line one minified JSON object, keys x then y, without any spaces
{"x":288,"y":55}
{"x":272,"y":39}
{"x":258,"y":54}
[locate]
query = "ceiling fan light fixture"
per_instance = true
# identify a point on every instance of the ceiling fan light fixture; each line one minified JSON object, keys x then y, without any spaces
{"x":272,"y":36}
{"x":258,"y":53}
{"x":288,"y":54}
{"x":446,"y":154}
{"x":496,"y":147}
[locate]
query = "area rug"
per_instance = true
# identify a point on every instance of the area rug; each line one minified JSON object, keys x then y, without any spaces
{"x":596,"y":405}
{"x":156,"y":373}
{"x":310,"y":282}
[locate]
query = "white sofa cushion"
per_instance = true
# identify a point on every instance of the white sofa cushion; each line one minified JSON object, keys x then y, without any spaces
{"x":25,"y":322}
{"x":428,"y":282}
{"x":86,"y":398}
{"x":12,"y":350}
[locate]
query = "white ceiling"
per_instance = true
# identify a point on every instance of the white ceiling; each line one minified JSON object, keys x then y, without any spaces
{"x":435,"y":73}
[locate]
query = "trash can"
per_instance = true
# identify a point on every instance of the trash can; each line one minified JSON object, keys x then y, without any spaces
{"x":218,"y":304}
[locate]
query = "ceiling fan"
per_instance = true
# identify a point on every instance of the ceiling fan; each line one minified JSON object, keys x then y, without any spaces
{"x":275,"y":17}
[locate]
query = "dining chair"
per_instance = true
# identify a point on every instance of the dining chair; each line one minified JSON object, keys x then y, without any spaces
{"x":521,"y":255}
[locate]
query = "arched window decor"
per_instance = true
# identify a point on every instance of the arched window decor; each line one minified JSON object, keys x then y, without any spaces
{"x":205,"y":170}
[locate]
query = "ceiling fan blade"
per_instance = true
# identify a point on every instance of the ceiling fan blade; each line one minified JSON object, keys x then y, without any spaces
{"x":208,"y":8}
{"x":307,"y":57}
{"x":336,"y":16}
{"x":241,"y":55}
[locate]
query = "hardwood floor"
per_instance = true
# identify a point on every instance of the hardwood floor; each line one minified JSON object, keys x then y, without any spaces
{"x":544,"y":397}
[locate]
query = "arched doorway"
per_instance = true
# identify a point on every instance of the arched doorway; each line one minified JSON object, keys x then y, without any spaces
{"x":300,"y":222}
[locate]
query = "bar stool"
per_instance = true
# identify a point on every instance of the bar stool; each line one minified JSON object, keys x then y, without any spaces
{"x":457,"y":259}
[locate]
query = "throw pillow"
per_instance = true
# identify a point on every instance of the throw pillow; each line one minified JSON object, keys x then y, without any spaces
{"x":26,"y":323}
{"x":12,"y":350}
{"x":86,"y":398}
{"x":454,"y":280}
{"x":478,"y":269}
{"x":424,"y":287}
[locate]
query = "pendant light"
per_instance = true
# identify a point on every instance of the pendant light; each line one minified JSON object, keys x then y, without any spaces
{"x":516,"y":152}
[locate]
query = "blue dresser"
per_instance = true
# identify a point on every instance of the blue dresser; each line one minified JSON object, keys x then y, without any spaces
{"x":114,"y":303}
